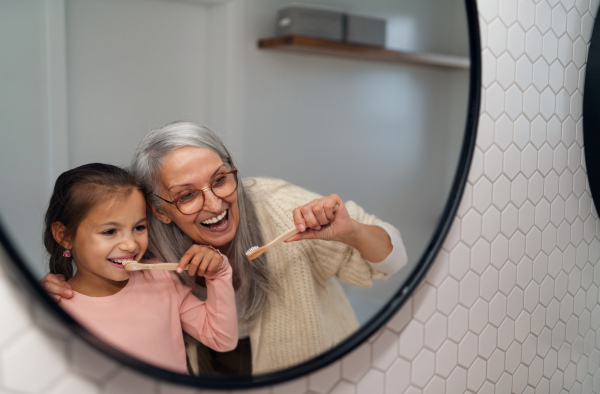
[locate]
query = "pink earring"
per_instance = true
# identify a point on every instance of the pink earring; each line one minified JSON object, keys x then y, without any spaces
{"x":67,"y":253}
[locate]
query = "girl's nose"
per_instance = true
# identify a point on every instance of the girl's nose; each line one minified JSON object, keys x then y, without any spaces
{"x":129,"y":243}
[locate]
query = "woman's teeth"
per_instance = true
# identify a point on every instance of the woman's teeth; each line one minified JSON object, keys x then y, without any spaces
{"x":216,"y":219}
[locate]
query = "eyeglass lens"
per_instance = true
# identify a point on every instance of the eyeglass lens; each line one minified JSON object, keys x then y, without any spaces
{"x":192,"y":202}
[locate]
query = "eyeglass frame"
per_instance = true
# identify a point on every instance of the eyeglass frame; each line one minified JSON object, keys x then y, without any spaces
{"x":203,"y":190}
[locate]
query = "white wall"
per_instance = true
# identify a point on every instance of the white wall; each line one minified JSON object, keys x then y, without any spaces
{"x":27,"y":163}
{"x":369,"y":131}
{"x":511,"y":302}
{"x":85,"y":80}
{"x":384,"y":135}
{"x":132,"y":66}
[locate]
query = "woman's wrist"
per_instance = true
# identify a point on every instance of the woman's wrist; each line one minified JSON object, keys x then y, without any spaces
{"x":353,"y":237}
{"x":373,"y":242}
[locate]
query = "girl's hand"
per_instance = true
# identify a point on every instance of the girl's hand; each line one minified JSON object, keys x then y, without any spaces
{"x":317,"y":220}
{"x":56,"y":286}
{"x":202,"y":259}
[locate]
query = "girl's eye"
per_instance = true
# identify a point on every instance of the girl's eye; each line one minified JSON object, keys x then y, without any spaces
{"x":141,"y":227}
{"x":109,"y":232}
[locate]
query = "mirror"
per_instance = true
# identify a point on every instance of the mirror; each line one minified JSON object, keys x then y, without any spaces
{"x":591,"y":116}
{"x":87,"y":79}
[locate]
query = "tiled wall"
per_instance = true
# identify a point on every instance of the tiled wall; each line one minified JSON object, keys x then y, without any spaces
{"x":509,"y":305}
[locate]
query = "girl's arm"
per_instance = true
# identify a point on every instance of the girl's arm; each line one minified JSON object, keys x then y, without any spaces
{"x":214,"y":321}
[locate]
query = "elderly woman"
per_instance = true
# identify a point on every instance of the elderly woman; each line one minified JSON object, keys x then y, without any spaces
{"x":290,"y":305}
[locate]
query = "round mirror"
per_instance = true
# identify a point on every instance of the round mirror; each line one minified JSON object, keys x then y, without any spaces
{"x":591,"y":115}
{"x":390,"y":128}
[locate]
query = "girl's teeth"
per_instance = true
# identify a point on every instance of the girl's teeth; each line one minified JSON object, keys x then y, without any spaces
{"x":215,"y":219}
{"x":123,"y":262}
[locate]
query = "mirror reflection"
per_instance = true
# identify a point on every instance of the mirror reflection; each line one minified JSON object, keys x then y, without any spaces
{"x":383,"y":136}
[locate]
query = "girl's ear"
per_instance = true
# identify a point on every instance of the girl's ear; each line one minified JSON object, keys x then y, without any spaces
{"x":160,"y":215}
{"x":59,"y":234}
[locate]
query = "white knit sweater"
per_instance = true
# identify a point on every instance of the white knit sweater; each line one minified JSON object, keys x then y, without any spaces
{"x":310,"y":313}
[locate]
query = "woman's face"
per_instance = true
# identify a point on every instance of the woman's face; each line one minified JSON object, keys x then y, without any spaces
{"x":190,"y":168}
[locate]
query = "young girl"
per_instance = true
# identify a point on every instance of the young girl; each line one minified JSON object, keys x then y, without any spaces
{"x":97,"y":219}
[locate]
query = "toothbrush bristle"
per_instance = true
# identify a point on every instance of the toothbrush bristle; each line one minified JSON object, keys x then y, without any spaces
{"x":125,"y":262}
{"x":130,"y":265}
{"x":251,"y":250}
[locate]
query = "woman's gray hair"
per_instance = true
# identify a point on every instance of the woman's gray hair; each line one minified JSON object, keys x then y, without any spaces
{"x":168,"y":242}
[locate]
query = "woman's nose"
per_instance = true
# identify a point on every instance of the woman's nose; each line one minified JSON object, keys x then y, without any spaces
{"x":212,"y":203}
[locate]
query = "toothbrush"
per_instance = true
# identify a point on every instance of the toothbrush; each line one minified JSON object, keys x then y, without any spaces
{"x":255,"y":251}
{"x":132,"y":265}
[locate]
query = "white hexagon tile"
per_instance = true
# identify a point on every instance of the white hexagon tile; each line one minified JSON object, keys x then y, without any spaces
{"x":511,"y":303}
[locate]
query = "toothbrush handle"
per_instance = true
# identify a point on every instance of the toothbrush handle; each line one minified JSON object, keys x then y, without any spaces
{"x":288,"y":234}
{"x":156,"y":266}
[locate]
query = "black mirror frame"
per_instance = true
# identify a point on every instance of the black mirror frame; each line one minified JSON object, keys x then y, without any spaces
{"x":21,"y":273}
{"x":591,"y":115}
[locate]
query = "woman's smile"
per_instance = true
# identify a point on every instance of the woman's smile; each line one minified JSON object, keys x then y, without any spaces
{"x":192,"y":168}
{"x":217,"y":223}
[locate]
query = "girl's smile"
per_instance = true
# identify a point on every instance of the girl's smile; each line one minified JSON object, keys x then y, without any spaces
{"x":118,"y":262}
{"x":112,"y":230}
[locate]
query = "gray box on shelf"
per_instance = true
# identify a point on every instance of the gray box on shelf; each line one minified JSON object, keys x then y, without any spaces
{"x":365,"y":30}
{"x":311,"y":21}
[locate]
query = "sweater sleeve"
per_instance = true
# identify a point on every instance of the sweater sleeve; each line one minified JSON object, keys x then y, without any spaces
{"x":214,"y":321}
{"x":345,"y":262}
{"x":397,"y":257}
{"x":277,"y":199}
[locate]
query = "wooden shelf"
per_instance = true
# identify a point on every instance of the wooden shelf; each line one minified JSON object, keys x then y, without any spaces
{"x":345,"y":49}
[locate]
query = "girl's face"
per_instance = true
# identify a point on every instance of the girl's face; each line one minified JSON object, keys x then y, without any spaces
{"x":112,"y":230}
{"x":192,"y":168}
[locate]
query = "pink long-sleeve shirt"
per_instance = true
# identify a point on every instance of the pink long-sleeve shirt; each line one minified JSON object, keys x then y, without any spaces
{"x":145,"y":319}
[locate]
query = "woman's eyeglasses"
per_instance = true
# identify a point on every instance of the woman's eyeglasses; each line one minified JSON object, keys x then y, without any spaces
{"x":192,"y":201}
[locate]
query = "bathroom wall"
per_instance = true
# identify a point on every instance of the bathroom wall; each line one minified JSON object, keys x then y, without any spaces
{"x":86,"y":79}
{"x":116,"y":69}
{"x":511,"y":302}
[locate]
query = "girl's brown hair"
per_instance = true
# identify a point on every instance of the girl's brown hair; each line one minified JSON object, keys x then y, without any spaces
{"x":75,"y":193}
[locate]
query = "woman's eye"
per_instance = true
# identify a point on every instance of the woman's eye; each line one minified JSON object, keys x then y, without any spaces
{"x":220,"y":180}
{"x":187,"y":197}
{"x":109,"y":232}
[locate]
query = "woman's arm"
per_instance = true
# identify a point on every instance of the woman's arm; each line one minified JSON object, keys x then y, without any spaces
{"x":275,"y":200}
{"x":56,"y":286}
{"x":378,"y":252}
{"x":397,"y":258}
{"x":318,"y":220}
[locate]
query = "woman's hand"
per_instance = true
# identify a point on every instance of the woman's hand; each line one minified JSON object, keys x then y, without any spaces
{"x":202,"y":260}
{"x":56,"y":286}
{"x":320,"y":220}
